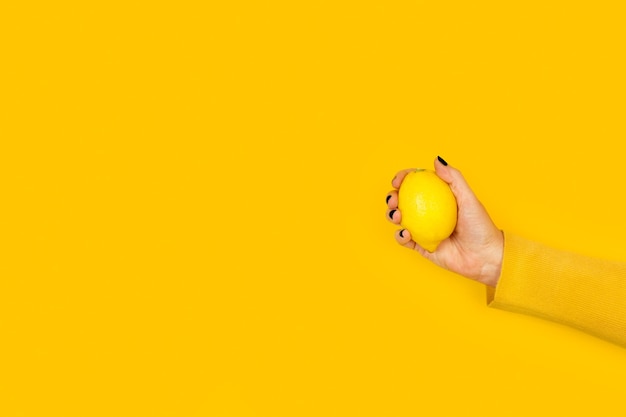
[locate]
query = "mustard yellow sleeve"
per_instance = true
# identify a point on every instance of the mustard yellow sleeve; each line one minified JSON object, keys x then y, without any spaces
{"x":579,"y":291}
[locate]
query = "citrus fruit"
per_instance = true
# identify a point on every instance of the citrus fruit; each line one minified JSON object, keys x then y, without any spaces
{"x":428,"y":208}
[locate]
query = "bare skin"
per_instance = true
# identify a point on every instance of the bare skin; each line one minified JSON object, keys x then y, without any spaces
{"x":475,"y":248}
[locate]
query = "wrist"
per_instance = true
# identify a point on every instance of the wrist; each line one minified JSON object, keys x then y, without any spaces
{"x":492,"y":268}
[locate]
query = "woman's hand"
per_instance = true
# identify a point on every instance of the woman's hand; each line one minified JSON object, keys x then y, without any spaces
{"x":475,"y":248}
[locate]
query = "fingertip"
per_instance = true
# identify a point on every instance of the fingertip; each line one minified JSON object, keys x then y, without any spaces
{"x":403,"y":237}
{"x":394,"y":216}
{"x":442,"y":170}
{"x":392,"y":199}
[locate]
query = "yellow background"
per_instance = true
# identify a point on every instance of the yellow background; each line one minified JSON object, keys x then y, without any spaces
{"x":193,"y":218}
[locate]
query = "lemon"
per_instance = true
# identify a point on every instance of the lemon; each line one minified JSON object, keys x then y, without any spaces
{"x":428,"y":208}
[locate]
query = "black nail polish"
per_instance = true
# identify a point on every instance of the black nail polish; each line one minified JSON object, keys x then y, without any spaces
{"x":388,"y":198}
{"x":391,"y":213}
{"x":401,"y":231}
{"x":442,"y":161}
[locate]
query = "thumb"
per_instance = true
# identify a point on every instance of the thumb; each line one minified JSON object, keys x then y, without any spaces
{"x":454,"y":178}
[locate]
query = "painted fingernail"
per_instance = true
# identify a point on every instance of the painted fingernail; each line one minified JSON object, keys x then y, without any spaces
{"x":401,"y":231}
{"x":442,"y":161}
{"x":391,"y":213}
{"x":388,"y":198}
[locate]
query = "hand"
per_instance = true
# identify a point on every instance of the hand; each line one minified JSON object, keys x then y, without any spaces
{"x":476,"y":245}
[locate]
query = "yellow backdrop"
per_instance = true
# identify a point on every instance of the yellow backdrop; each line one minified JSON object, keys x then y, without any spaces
{"x":193,"y":218}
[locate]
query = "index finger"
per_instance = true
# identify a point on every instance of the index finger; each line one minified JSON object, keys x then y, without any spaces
{"x":397,"y":180}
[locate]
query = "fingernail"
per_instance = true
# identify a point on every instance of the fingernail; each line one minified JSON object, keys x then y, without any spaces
{"x":388,"y":198}
{"x":401,"y":231}
{"x":442,"y":161}
{"x":391,"y":213}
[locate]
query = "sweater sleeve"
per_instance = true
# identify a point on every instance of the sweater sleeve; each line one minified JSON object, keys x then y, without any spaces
{"x":578,"y":291}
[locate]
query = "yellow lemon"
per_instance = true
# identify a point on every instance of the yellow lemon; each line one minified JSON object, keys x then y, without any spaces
{"x":428,"y":208}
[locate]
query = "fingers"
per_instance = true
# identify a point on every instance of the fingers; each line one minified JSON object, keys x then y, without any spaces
{"x":397,"y":180}
{"x":403,"y":237}
{"x":392,"y":199}
{"x":394,"y":216}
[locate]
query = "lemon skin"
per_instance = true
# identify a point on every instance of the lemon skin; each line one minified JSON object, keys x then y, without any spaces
{"x":428,"y":207}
